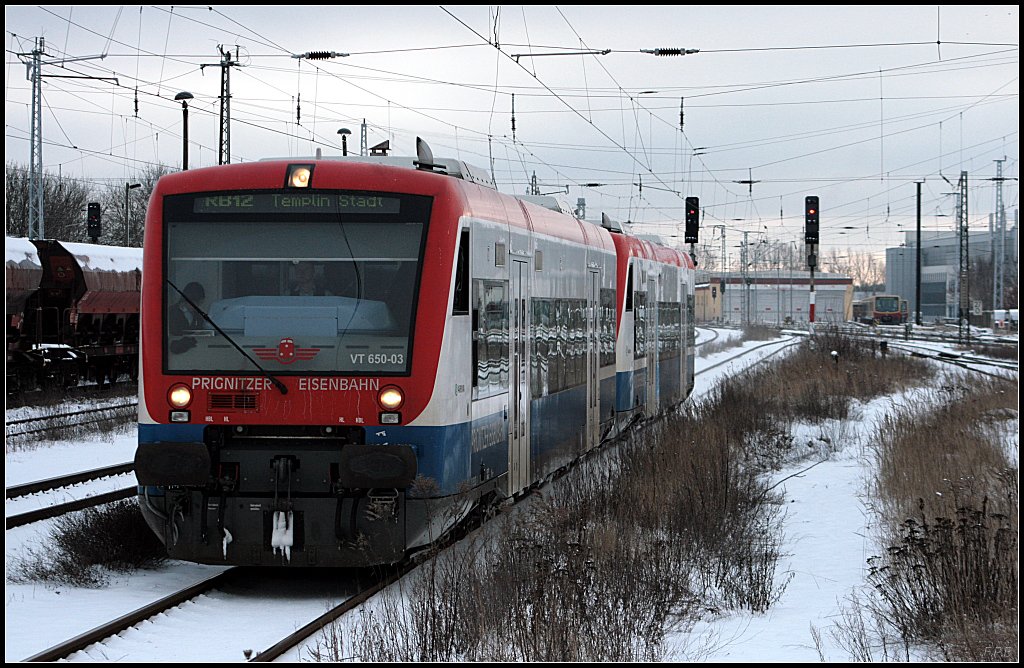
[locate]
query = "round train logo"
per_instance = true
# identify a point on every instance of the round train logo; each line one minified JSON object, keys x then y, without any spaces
{"x":286,"y":352}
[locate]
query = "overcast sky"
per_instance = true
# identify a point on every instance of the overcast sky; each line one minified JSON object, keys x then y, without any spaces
{"x":853,"y":104}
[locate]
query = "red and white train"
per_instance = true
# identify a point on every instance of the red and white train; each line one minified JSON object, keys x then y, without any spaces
{"x":375,"y":346}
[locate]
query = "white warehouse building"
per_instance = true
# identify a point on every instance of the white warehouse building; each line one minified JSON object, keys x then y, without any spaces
{"x":773,"y":297}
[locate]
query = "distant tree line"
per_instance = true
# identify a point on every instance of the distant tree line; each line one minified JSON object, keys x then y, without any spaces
{"x":66,"y":200}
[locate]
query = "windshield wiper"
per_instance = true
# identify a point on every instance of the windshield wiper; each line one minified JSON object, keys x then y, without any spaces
{"x":273,"y":379}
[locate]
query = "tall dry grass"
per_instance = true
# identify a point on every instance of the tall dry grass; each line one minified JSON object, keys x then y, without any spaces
{"x":949,"y":493}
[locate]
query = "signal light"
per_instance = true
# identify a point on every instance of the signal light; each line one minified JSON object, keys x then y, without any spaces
{"x":811,"y":212}
{"x":692,"y":220}
{"x":94,"y":227}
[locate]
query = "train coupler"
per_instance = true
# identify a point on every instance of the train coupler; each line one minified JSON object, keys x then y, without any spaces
{"x":282,"y":473}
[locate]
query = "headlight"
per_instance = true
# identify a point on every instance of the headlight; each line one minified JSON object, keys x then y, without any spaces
{"x":391,"y":398}
{"x":299,"y":176}
{"x":179,"y":396}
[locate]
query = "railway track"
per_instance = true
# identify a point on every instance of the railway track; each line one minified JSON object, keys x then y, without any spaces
{"x":967,"y":362}
{"x":124,"y":390}
{"x":71,"y":420}
{"x":210,"y":610}
{"x":62,"y":483}
{"x":112,"y":628}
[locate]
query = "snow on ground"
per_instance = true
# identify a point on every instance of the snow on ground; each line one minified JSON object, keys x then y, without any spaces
{"x":828,"y":529}
{"x":64,"y":457}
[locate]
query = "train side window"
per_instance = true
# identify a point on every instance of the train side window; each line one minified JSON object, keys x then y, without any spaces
{"x":475,"y":346}
{"x":460,"y":299}
{"x":640,"y":326}
{"x":607,"y":327}
{"x":492,"y":316}
{"x":540,"y":362}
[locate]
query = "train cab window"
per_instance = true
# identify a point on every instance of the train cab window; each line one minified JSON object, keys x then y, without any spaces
{"x":629,"y":288}
{"x":329,"y":289}
{"x":460,"y":298}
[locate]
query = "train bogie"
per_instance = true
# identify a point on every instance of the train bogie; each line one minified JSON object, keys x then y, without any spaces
{"x":453,"y":346}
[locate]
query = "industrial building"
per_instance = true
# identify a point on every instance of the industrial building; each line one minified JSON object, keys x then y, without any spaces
{"x":940,"y":262}
{"x":779,"y":297}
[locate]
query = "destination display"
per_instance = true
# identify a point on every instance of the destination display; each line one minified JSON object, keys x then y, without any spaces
{"x":295,"y":202}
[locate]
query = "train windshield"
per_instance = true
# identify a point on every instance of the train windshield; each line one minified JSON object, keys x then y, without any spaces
{"x":317,"y":283}
{"x":887,"y":304}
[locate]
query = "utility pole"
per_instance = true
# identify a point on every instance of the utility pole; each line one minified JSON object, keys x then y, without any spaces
{"x":225,"y":65}
{"x":746,"y":280}
{"x":35,"y":176}
{"x":917,"y":280}
{"x":721,"y":229}
{"x":964,"y":301}
{"x":34,"y":73}
{"x":999,"y":241}
{"x":362,"y":138}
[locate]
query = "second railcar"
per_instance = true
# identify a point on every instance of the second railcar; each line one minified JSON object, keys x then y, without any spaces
{"x":448,"y":344}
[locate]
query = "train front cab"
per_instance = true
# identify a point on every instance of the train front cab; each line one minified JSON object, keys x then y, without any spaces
{"x":283,"y":433}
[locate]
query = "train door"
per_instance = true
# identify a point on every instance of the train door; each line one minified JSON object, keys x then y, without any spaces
{"x":519,"y":375}
{"x":652,"y":346}
{"x":593,"y":359}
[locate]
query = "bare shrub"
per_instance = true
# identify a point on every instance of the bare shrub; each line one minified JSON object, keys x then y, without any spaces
{"x":86,"y":546}
{"x":716,"y":346}
{"x":953,"y":582}
{"x":949,"y":457}
{"x":755,"y":332}
{"x":950,"y":575}
{"x":863,"y":631}
{"x":813,"y":385}
{"x":600,"y":565}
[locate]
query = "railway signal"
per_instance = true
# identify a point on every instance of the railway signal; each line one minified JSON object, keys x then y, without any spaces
{"x":692,"y":220}
{"x":94,"y":226}
{"x":811,"y":219}
{"x":811,"y":212}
